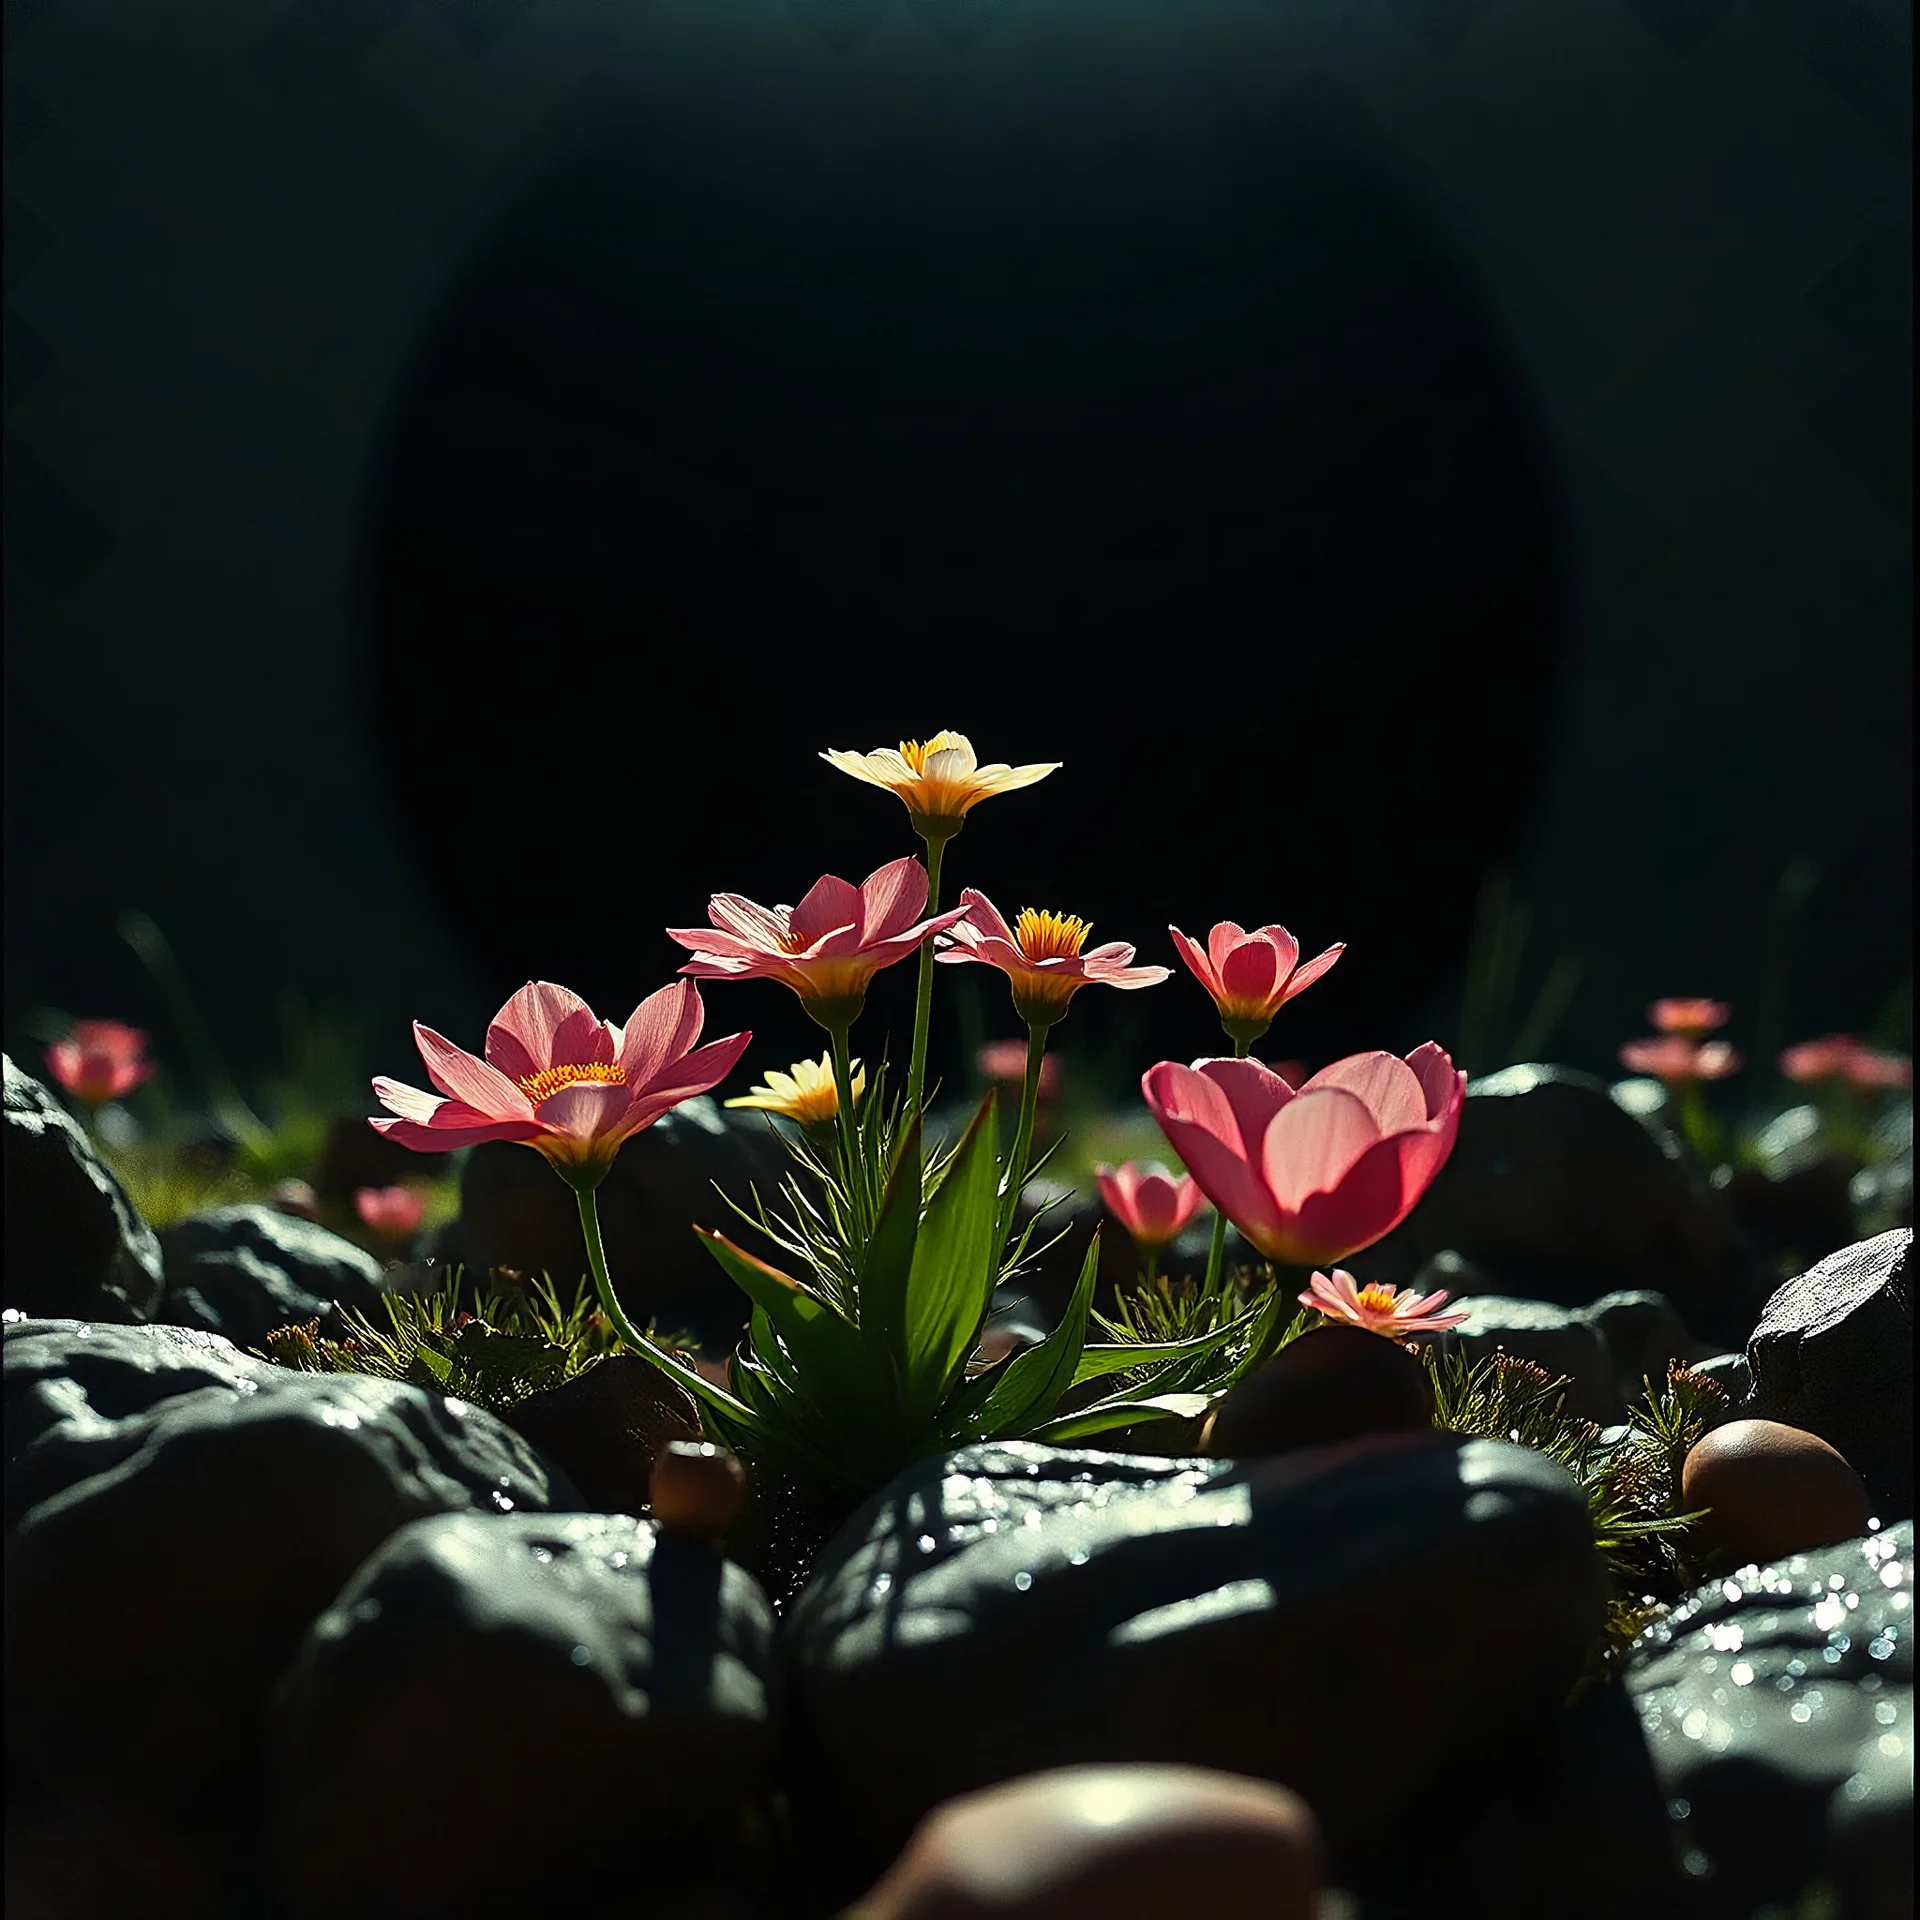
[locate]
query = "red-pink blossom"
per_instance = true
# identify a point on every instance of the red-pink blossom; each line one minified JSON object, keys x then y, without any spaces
{"x":1003,"y":1063}
{"x":1694,"y":1018}
{"x":559,"y":1080}
{"x":100,"y":1060}
{"x":1151,"y":1203}
{"x":828,"y":948}
{"x":1679,"y":1059}
{"x":1310,"y":1176}
{"x":1041,"y":956}
{"x":1839,"y":1056}
{"x":394,"y":1213}
{"x":1379,"y":1309}
{"x":1250,"y":975}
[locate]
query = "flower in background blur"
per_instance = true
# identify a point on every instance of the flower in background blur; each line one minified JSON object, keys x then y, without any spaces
{"x":1378,"y":1309}
{"x":1002,"y":1064}
{"x":806,"y":1093}
{"x":1694,"y":1018}
{"x":1679,"y":1060}
{"x":100,"y":1060}
{"x":1152,"y":1204}
{"x":393,"y":1213}
{"x":1840,"y":1057}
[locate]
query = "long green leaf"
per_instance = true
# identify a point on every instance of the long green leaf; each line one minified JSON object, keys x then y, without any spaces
{"x":886,"y":1276}
{"x":834,"y":1373}
{"x":950,"y":1288}
{"x":1096,"y":1362}
{"x":1035,"y":1380}
{"x":1121,"y":1413}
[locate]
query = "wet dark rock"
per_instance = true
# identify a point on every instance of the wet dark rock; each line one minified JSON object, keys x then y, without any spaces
{"x":514,"y":1213}
{"x":1015,"y":1607}
{"x":84,"y":1857}
{"x":576,"y":1667}
{"x":242,"y":1271}
{"x":1335,"y":1383}
{"x":1778,"y":1711}
{"x":1644,"y":1335}
{"x":1561,"y":1339}
{"x":74,"y":1244}
{"x":68,"y":1382}
{"x":1728,"y":1372}
{"x":1556,"y":1192}
{"x":1834,"y":1353}
{"x":1764,"y":1491}
{"x":174,"y":1555}
{"x":1109,"y":1843}
{"x":1799,"y":1215}
{"x":605,"y":1426}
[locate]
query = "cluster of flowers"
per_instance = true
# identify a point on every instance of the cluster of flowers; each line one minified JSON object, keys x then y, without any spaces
{"x":1679,"y":1053}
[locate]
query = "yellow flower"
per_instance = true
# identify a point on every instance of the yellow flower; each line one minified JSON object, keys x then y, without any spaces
{"x":806,"y":1094}
{"x":939,"y":779}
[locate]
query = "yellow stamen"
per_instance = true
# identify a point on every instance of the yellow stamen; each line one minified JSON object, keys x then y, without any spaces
{"x":549,"y":1080}
{"x":1049,"y":936}
{"x":914,"y":752}
{"x":1377,"y":1299}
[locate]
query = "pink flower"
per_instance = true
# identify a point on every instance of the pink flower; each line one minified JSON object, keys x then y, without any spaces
{"x":1678,"y":1059}
{"x":1314,"y":1175}
{"x":394,"y":1213}
{"x":828,"y":948}
{"x":1379,"y":1309}
{"x":1251,"y":975}
{"x":559,"y":1080}
{"x":1003,"y":1063}
{"x":1839,"y":1056}
{"x":1151,"y":1203}
{"x":1694,"y":1018}
{"x":1041,"y":957}
{"x":100,"y":1060}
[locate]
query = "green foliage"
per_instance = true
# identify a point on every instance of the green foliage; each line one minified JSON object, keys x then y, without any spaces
{"x":493,"y":1347}
{"x":1632,"y":1483}
{"x":1200,"y":1335}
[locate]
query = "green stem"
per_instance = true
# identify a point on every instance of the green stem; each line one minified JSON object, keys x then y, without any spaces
{"x":850,"y":1168}
{"x":1217,"y":1246}
{"x":923,"y":992}
{"x":701,"y":1388}
{"x":1023,"y":1133}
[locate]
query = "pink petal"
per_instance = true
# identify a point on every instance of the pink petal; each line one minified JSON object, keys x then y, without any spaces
{"x":1441,"y":1082}
{"x":410,"y":1103}
{"x":520,"y":1038}
{"x":1254,"y":1094}
{"x":831,"y":906}
{"x":1221,"y":941}
{"x":662,"y":1027}
{"x":460,"y":1076}
{"x":681,"y":1079}
{"x":1312,"y":1142}
{"x":1252,"y":971}
{"x":587,"y":1110}
{"x":1374,"y":1197}
{"x":1198,"y":964}
{"x":1384,"y":1084}
{"x":1304,"y":977}
{"x":892,"y":898}
{"x":747,"y":922}
{"x":1198,"y":1118}
{"x":448,"y":1139}
{"x":984,"y":917}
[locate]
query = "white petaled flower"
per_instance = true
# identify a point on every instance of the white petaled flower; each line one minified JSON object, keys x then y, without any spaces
{"x":940,"y":779}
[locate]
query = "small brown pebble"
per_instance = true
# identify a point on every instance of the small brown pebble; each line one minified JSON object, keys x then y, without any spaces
{"x":1771,"y":1490}
{"x":697,"y":1488}
{"x":1123,"y":1842}
{"x":1336,"y":1383}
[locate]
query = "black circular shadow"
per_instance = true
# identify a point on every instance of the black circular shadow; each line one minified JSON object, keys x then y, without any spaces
{"x":1207,"y":479}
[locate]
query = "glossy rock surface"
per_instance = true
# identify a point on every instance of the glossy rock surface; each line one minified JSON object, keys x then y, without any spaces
{"x":1013,"y":1607}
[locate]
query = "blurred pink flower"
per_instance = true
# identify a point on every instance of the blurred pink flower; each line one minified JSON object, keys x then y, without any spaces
{"x":1003,"y":1063}
{"x":557,"y":1079}
{"x":1151,"y":1203}
{"x":1839,"y":1056}
{"x":1250,"y":975}
{"x":1695,"y":1018}
{"x":394,"y":1213}
{"x":1314,"y":1175}
{"x":1041,"y":956}
{"x":100,"y":1060}
{"x":1379,"y":1309}
{"x":828,"y":948}
{"x":1678,"y":1059}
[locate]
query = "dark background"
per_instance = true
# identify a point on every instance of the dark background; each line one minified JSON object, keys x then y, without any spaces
{"x":465,"y":459}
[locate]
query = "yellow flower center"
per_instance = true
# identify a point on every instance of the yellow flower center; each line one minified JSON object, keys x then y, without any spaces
{"x":549,"y":1080}
{"x":914,"y":752}
{"x":1049,"y":936}
{"x":1377,"y":1299}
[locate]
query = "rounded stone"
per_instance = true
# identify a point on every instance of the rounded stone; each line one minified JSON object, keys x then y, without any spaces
{"x":1336,"y":1383}
{"x":697,"y":1488}
{"x":1771,"y":1490}
{"x":1109,"y":1843}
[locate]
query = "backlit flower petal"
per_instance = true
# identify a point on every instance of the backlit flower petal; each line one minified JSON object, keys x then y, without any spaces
{"x":663,"y":1026}
{"x":1384,"y":1083}
{"x":462,"y":1077}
